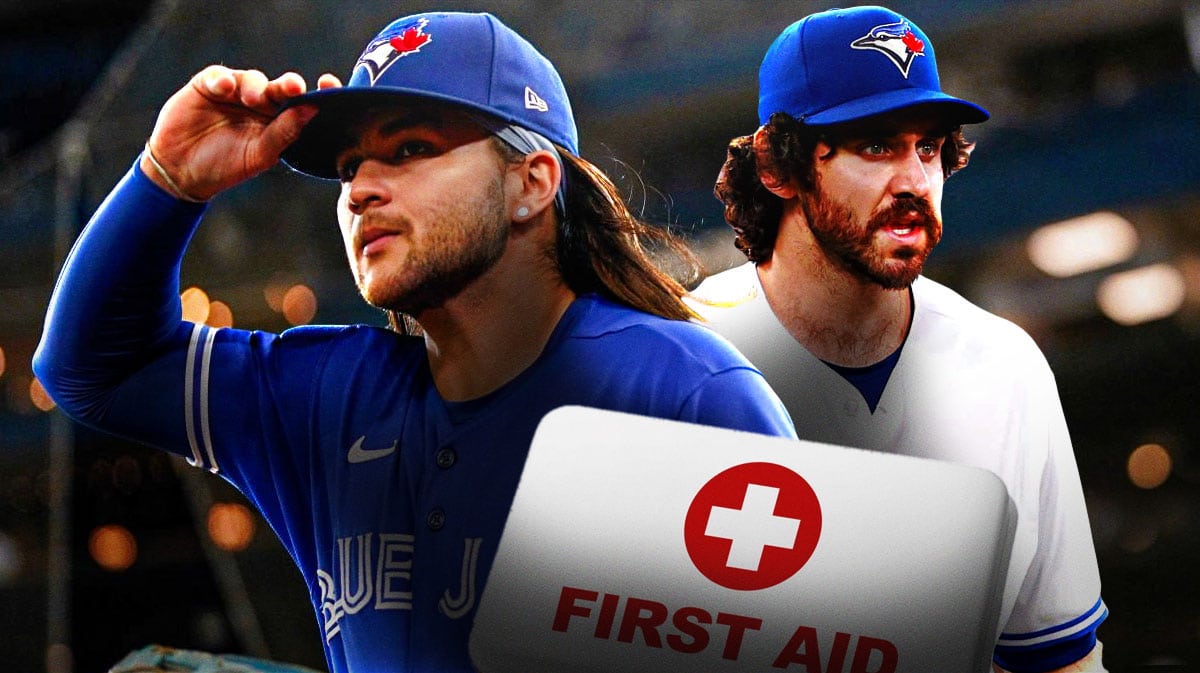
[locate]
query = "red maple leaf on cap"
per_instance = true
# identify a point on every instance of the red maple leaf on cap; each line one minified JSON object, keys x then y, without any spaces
{"x":409,"y":40}
{"x":914,"y":43}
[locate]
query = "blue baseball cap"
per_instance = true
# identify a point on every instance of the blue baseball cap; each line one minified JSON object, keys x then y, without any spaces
{"x":471,"y":60}
{"x":847,"y":64}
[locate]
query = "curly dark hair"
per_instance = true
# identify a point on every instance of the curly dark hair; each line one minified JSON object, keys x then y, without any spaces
{"x":753,"y":211}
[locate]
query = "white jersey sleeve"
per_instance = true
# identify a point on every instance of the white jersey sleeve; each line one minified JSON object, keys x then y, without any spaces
{"x":970,"y":388}
{"x":1059,"y":597}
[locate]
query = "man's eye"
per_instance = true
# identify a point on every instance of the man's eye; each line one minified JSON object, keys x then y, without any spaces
{"x":411,"y":149}
{"x":347,"y":169}
{"x":929,"y":148}
{"x":874,"y":149}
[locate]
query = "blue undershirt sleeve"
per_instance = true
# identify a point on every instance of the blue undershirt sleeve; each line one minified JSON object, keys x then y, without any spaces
{"x":116,"y":354}
{"x":116,"y":305}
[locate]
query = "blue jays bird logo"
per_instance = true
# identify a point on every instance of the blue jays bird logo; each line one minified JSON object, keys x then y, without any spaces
{"x":392,"y":46}
{"x":897,"y":41}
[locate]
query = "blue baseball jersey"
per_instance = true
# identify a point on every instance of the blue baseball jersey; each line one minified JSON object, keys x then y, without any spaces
{"x":390,"y":499}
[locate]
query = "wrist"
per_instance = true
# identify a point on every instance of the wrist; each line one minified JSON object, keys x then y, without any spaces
{"x":159,"y":176}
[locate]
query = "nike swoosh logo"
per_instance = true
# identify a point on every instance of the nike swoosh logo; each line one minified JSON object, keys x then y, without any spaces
{"x":358,"y":454}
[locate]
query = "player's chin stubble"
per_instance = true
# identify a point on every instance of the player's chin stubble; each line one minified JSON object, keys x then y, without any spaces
{"x":854,"y":247}
{"x":447,"y":258}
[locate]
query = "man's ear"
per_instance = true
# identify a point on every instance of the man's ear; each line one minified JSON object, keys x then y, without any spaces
{"x":540,"y":175}
{"x":768,"y":171}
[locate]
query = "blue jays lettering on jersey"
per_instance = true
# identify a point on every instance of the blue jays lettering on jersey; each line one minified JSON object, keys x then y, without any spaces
{"x":390,"y":500}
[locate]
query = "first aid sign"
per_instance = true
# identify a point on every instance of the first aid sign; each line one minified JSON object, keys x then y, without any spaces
{"x":637,"y":544}
{"x":691,"y":629}
{"x":752,"y":526}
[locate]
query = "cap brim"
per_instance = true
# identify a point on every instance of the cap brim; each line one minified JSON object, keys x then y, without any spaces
{"x":955,"y":110}
{"x":315,"y":152}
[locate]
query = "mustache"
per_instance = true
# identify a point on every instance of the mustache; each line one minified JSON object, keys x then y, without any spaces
{"x":902,"y":209}
{"x":371,"y":222}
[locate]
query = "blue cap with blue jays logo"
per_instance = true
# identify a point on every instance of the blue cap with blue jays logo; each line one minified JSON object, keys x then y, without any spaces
{"x":846,"y":64}
{"x":472,"y":60}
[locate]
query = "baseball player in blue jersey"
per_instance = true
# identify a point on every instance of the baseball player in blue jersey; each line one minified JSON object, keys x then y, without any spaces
{"x":386,"y":462}
{"x":836,"y":201}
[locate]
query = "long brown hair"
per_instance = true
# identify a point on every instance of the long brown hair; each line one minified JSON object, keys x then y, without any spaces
{"x":602,"y":247}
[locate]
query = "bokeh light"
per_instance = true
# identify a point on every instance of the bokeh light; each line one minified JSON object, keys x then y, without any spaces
{"x":231,"y":526}
{"x":1082,"y":244}
{"x":219,"y":315}
{"x":195,"y":304}
{"x":1142,"y":295}
{"x":1148,"y":466}
{"x":299,"y":305}
{"x":112,"y":547}
{"x":39,"y":396}
{"x":1139,"y":537}
{"x":273,"y":294}
{"x":2,"y":362}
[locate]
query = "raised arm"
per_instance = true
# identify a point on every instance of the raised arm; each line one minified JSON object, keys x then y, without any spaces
{"x":115,"y":309}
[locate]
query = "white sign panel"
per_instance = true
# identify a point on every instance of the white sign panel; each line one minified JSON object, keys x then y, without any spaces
{"x":638,"y":544}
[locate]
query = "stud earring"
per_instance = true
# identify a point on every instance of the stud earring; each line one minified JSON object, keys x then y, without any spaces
{"x":522,"y":211}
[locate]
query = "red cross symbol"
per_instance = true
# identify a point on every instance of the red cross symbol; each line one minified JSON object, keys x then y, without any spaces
{"x":752,"y":526}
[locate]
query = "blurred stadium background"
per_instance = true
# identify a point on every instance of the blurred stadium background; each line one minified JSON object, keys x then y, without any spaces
{"x":1079,"y":218}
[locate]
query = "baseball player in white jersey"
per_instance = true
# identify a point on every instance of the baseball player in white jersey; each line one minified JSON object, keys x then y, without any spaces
{"x":836,"y":201}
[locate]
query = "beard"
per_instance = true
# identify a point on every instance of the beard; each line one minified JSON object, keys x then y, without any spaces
{"x":855,"y":247}
{"x":451,"y":253}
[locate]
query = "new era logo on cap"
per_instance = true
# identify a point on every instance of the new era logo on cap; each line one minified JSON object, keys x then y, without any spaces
{"x":897,"y":41}
{"x":534,"y":101}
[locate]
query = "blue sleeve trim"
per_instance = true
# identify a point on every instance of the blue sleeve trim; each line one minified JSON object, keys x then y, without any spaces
{"x":1051,"y":648}
{"x":1048,"y":657}
{"x":1090,"y":614}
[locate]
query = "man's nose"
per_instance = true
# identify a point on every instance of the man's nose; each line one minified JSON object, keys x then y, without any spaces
{"x":911,"y":177}
{"x":367,"y":187}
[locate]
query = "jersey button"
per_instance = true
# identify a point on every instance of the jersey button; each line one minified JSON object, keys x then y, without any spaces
{"x":445,"y":458}
{"x":436,"y":519}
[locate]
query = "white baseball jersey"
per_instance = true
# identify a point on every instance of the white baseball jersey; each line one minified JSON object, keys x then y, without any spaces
{"x":970,"y":388}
